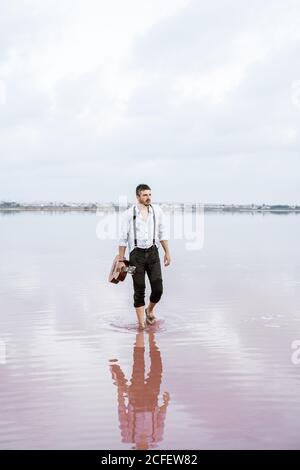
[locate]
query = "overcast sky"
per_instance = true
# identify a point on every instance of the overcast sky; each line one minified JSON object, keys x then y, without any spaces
{"x":198,"y":99}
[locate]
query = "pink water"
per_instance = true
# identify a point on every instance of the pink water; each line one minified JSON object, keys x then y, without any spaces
{"x":215,"y":372}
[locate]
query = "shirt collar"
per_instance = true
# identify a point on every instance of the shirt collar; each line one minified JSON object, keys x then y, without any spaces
{"x":138,"y":209}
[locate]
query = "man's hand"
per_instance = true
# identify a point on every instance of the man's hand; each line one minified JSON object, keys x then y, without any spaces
{"x":120,"y":266}
{"x":167,"y":259}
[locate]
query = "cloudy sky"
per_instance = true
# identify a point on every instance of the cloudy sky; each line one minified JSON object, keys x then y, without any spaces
{"x":198,"y":99}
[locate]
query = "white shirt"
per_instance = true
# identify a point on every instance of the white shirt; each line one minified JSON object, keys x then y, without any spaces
{"x":144,"y":228}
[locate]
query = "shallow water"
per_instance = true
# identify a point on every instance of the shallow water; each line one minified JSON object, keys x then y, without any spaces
{"x":217,"y":371}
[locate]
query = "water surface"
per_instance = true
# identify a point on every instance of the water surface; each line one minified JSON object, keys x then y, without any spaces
{"x":216,"y":372}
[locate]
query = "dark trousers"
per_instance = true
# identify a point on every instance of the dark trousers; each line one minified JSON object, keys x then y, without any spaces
{"x":146,"y":261}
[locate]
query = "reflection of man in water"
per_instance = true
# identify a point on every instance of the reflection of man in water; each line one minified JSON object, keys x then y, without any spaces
{"x":142,"y":419}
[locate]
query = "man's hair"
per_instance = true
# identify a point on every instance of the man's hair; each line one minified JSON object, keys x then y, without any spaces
{"x":141,"y":187}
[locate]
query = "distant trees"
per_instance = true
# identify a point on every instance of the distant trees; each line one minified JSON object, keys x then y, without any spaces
{"x":9,"y":204}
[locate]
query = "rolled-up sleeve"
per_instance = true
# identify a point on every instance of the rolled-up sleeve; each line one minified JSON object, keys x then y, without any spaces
{"x":163,"y":232}
{"x":124,"y":229}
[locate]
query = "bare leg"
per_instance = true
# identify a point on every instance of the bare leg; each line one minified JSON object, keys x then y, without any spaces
{"x":140,"y":316}
{"x":150,"y":309}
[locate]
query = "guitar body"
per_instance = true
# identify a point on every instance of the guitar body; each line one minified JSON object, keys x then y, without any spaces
{"x":114,"y":276}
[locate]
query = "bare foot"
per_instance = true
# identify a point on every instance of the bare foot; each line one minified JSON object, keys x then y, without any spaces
{"x":150,"y":318}
{"x":142,"y":325}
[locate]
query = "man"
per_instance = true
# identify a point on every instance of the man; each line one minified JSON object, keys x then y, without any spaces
{"x":143,"y":228}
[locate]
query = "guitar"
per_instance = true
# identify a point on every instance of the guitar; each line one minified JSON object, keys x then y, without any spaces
{"x":116,"y":275}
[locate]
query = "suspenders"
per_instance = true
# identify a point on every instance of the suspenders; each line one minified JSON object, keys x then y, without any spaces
{"x":134,"y":226}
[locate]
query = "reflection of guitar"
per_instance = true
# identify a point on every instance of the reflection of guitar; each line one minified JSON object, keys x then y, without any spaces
{"x":119,"y":270}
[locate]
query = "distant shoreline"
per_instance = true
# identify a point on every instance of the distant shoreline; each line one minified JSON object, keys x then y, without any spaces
{"x":109,"y":207}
